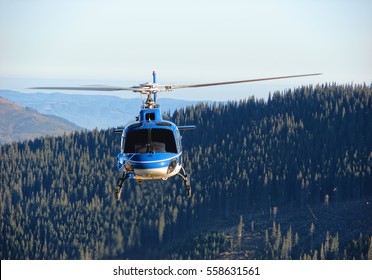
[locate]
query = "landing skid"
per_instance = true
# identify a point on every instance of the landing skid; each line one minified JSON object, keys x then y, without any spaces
{"x":119,"y":185}
{"x":125,"y":175}
{"x":186,"y":180}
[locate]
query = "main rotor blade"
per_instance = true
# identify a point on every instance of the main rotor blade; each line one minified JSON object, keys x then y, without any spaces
{"x":241,"y":81}
{"x":153,"y":88}
{"x":92,"y":88}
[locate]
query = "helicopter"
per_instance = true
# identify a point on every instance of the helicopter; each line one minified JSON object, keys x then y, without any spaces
{"x":151,"y":147}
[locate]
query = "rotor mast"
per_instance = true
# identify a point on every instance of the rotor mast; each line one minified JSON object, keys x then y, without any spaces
{"x":151,"y":90}
{"x":154,"y":82}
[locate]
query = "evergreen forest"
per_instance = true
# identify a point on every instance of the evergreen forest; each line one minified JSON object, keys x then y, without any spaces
{"x":286,"y":178}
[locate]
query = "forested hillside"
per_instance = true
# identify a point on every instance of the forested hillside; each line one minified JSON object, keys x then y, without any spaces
{"x":307,"y":148}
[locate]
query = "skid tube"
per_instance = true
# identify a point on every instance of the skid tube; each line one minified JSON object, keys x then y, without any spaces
{"x":126,"y":175}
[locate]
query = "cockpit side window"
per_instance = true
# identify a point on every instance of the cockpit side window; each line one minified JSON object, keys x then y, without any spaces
{"x":155,"y":140}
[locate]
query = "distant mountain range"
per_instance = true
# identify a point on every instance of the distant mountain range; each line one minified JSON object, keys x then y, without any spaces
{"x":18,"y":123}
{"x":88,"y":111}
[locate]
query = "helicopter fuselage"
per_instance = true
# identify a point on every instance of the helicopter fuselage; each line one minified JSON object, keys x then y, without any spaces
{"x":150,"y":147}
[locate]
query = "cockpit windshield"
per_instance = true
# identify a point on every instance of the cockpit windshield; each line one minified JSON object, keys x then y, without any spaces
{"x":153,"y":140}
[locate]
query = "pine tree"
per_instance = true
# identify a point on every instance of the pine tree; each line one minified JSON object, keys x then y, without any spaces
{"x":369,"y":254}
{"x":161,"y":226}
{"x":335,"y":246}
{"x":240,"y":231}
{"x":312,"y":230}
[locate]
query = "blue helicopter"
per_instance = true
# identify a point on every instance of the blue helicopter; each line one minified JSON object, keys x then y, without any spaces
{"x":151,"y":147}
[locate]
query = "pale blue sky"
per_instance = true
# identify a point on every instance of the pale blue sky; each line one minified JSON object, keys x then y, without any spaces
{"x":70,"y":42}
